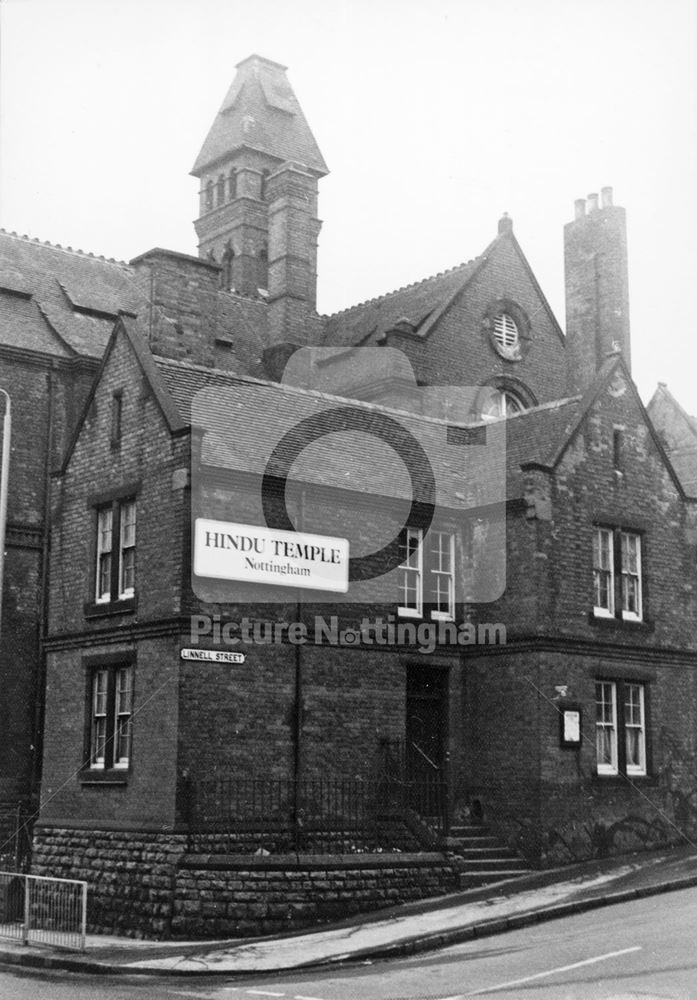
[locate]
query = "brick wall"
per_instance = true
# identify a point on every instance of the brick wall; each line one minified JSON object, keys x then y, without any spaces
{"x":144,"y":797}
{"x":183,"y":296}
{"x":597,"y":293}
{"x":459,"y":350}
{"x":147,"y":458}
{"x":588,"y":490}
{"x":156,"y":465}
{"x":26,"y":378}
{"x":351,"y":700}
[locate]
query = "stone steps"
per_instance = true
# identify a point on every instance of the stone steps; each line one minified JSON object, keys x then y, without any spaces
{"x":484,"y":859}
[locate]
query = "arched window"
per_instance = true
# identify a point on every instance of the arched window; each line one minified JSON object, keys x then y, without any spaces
{"x":209,"y":196}
{"x":220,"y":190}
{"x":499,"y":403}
{"x":226,"y":273}
{"x":263,"y":269}
{"x":262,"y":188}
{"x":232,"y":184}
{"x":503,"y":396}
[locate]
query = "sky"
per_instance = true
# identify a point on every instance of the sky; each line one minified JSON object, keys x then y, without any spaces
{"x":434,"y":117}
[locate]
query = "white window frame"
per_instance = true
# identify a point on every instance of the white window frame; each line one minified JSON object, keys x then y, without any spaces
{"x":116,"y":540}
{"x":123,"y":714}
{"x":598,"y":609}
{"x":99,"y":702}
{"x":127,"y":545}
{"x":617,"y":538}
{"x":425,"y":572}
{"x":437,"y":574}
{"x":105,"y":552}
{"x":627,"y":717}
{"x":627,"y":615}
{"x":637,"y":726}
{"x":111,"y":715}
{"x":602,"y":725}
{"x":415,"y":570}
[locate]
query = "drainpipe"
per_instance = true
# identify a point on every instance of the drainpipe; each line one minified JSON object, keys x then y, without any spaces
{"x":4,"y":483}
{"x":40,"y":694}
{"x":298,"y":720}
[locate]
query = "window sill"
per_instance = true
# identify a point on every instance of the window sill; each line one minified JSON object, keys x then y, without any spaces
{"x":92,"y":609}
{"x":423,"y":616}
{"x":621,"y":624}
{"x":615,"y":780}
{"x":114,"y":777}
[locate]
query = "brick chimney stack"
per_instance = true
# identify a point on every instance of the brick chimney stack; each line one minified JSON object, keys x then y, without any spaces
{"x":597,"y":296}
{"x":292,"y":248}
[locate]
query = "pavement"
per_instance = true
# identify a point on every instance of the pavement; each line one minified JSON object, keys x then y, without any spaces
{"x":400,"y":930}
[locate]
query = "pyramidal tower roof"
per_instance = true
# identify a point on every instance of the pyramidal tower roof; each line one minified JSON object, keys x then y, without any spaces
{"x":261,"y":112}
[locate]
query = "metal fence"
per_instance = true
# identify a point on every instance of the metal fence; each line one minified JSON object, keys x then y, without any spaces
{"x":39,"y":910}
{"x":318,"y":815}
{"x":15,"y":837}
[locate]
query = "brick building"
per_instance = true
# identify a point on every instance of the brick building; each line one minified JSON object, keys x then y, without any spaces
{"x":568,"y":730}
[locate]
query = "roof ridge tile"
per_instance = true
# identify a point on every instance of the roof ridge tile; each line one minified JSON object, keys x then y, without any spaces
{"x":67,"y":249}
{"x":403,"y":288}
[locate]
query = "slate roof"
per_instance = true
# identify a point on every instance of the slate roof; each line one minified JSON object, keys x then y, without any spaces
{"x":64,"y":302}
{"x":368,"y":321}
{"x":245,"y":418}
{"x":680,"y":434}
{"x":261,"y":112}
{"x":58,"y":300}
{"x":22,"y":324}
{"x":685,"y":464}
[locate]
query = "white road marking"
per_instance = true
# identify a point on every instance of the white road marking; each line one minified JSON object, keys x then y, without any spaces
{"x":265,"y":993}
{"x":299,"y":996}
{"x":199,"y":996}
{"x":543,"y":975}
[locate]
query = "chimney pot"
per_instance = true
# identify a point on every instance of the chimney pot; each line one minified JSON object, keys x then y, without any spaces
{"x":593,"y":202}
{"x":606,"y":197}
{"x":580,"y":207}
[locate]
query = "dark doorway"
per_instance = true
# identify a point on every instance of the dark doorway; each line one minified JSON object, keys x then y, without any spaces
{"x":426,"y":737}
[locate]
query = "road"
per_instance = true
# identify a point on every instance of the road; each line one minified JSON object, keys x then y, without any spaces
{"x":643,"y":950}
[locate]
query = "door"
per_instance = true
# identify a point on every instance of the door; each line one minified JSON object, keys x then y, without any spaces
{"x":426,"y":737}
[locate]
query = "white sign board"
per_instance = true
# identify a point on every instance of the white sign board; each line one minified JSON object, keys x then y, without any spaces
{"x":212,"y":655}
{"x":256,"y":554}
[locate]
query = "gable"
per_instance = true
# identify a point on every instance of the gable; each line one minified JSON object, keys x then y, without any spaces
{"x":678,"y":431}
{"x":127,"y":368}
{"x":616,"y":448}
{"x":457,"y":345}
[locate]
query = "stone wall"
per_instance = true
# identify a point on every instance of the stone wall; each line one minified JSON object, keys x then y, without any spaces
{"x":142,"y":884}
{"x":130,"y":875}
{"x":226,"y":896}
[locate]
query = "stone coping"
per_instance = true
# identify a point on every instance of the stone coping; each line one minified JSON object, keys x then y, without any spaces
{"x":304,"y":862}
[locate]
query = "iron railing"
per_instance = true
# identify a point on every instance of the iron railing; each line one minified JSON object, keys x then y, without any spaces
{"x":15,"y":837}
{"x":315,"y":815}
{"x":39,"y":910}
